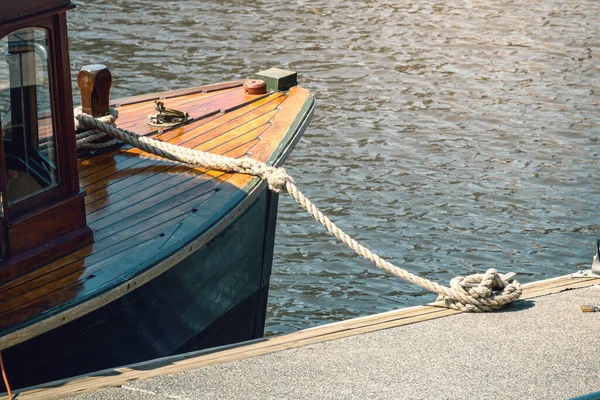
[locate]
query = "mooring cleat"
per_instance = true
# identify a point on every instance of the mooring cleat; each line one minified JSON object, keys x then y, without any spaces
{"x":594,"y":272}
{"x":509,"y":276}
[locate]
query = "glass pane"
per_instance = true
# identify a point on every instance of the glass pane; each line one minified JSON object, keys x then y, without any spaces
{"x":26,"y":112}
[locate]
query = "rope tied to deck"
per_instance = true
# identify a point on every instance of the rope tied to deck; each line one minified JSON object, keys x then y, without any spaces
{"x":474,"y":293}
{"x":89,"y":138}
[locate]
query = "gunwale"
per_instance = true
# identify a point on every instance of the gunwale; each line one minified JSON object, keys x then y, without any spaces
{"x":284,"y":118}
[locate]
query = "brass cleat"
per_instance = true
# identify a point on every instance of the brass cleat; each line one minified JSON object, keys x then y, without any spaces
{"x":166,"y":117}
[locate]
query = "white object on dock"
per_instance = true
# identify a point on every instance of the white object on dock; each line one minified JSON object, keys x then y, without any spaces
{"x":594,"y":272}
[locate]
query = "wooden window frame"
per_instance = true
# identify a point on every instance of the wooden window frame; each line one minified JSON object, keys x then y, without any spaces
{"x":63,"y":127}
{"x":52,"y":223}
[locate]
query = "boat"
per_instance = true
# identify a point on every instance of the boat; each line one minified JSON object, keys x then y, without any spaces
{"x":111,"y":255}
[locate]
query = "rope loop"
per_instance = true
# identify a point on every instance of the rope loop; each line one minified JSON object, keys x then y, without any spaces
{"x":88,"y":137}
{"x":485,"y":292}
{"x":475,"y":293}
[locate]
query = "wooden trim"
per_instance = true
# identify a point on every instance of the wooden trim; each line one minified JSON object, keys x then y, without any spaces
{"x":38,"y":239}
{"x":42,"y":226}
{"x":4,"y":205}
{"x":38,"y":256}
{"x":62,"y":115}
{"x":183,"y":362}
{"x":63,"y":107}
{"x":53,"y":193}
{"x":299,"y":125}
{"x":31,"y":12}
{"x":23,"y":216}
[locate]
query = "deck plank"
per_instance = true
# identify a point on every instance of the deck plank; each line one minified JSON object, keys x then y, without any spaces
{"x":176,"y":177}
{"x":159,"y":201}
{"x":196,"y":109}
{"x":196,"y":105}
{"x":128,"y":114}
{"x":190,"y":136}
{"x":217,"y":127}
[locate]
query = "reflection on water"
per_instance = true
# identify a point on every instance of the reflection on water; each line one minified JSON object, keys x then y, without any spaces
{"x":450,"y":136}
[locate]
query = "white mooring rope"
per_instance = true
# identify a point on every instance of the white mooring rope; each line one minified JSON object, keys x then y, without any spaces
{"x":86,"y":138}
{"x":475,"y":293}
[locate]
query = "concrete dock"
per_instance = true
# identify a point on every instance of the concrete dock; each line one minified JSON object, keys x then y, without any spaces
{"x":542,"y":347}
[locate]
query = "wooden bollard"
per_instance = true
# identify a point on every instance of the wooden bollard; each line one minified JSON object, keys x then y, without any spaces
{"x":94,"y":82}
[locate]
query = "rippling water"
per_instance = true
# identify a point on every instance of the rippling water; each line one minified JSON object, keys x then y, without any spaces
{"x":450,"y":136}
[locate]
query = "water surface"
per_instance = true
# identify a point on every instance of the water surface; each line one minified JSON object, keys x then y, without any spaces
{"x":449,"y":136}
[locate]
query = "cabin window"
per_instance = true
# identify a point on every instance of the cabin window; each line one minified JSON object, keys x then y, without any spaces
{"x":30,"y":161}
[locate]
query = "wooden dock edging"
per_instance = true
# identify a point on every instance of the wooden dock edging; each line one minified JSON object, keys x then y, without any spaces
{"x":183,"y":362}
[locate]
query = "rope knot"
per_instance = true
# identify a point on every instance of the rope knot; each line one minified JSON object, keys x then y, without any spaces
{"x":276,"y":177}
{"x":89,"y":134}
{"x":481,"y":292}
{"x":83,"y":123}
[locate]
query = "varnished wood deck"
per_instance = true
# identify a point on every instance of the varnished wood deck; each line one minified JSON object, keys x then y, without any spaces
{"x":144,"y":210}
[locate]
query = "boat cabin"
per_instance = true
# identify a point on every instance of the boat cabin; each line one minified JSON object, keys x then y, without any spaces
{"x":41,"y":205}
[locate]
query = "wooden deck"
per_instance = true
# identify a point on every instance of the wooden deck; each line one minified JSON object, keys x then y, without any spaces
{"x":143,"y":210}
{"x":331,"y":332}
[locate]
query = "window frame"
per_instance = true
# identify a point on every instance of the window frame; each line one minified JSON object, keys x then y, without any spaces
{"x":60,"y":88}
{"x":52,"y":224}
{"x":32,"y":123}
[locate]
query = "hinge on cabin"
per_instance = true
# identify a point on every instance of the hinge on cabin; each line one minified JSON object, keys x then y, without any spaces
{"x":1,"y":206}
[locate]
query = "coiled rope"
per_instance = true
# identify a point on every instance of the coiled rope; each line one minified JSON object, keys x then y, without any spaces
{"x":86,"y":138}
{"x":474,"y":293}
